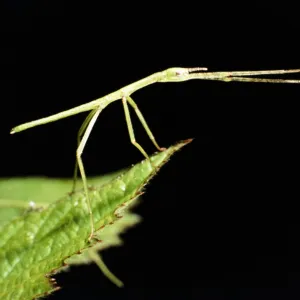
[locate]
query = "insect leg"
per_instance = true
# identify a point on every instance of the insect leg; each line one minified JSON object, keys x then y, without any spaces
{"x":130,"y":128}
{"x":266,"y":80}
{"x":144,"y":123}
{"x":96,"y":257}
{"x":80,"y":133}
{"x":81,"y":168}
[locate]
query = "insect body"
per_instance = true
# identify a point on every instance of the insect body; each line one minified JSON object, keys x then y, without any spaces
{"x":169,"y":75}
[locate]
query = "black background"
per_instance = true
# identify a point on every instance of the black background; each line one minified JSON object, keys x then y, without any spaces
{"x":220,"y":219}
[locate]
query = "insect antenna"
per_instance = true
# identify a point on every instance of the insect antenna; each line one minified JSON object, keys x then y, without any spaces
{"x":195,"y":70}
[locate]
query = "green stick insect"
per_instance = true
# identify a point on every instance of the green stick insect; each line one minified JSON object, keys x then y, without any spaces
{"x":124,"y":94}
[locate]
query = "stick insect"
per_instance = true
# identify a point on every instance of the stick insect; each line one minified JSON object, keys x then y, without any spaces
{"x":124,"y":94}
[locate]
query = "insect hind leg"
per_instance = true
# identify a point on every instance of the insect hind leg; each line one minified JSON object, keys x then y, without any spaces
{"x":79,"y":135}
{"x":79,"y":151}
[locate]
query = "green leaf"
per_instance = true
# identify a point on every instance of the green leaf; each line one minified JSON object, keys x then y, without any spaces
{"x":19,"y":195}
{"x":30,"y":190}
{"x":38,"y":244}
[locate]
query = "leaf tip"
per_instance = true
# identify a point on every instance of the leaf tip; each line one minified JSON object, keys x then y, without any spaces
{"x":187,"y":141}
{"x":184,"y":142}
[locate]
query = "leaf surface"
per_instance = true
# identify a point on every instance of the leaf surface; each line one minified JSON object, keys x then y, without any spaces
{"x":38,"y":243}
